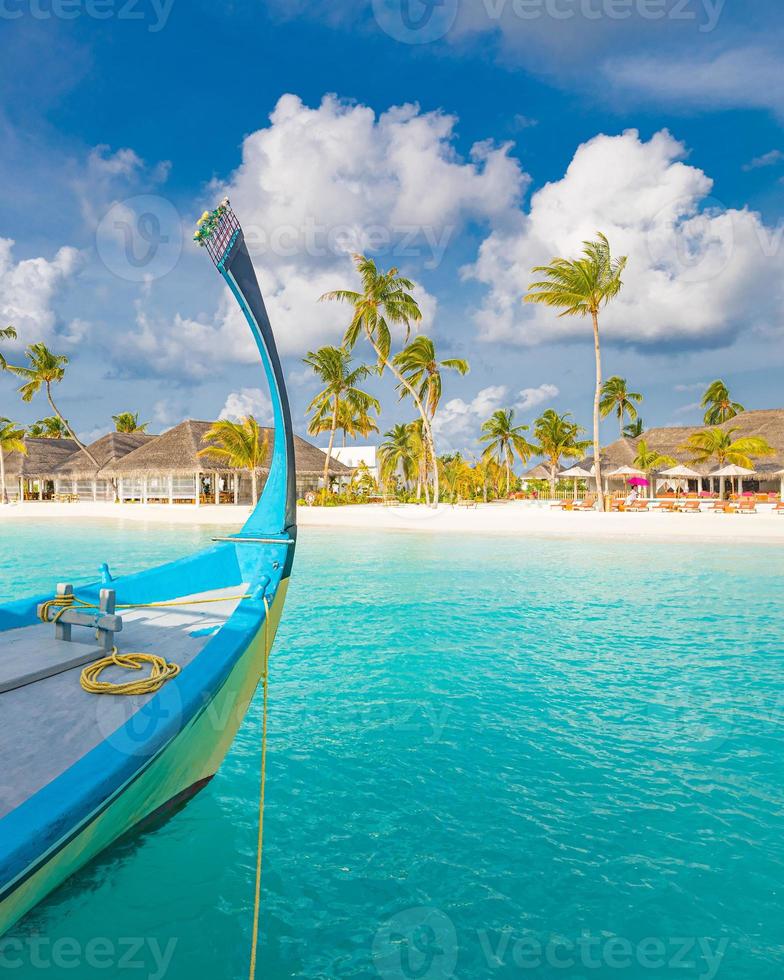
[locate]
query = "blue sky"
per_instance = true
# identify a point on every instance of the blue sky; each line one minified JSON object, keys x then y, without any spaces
{"x":465,"y":149}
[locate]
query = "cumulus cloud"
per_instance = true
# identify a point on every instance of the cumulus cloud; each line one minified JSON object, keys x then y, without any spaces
{"x":248,"y":401}
{"x":698,"y":272}
{"x":457,"y":422}
{"x":108,"y":176}
{"x":532,"y":397}
{"x":29,"y":289}
{"x":315,"y":185}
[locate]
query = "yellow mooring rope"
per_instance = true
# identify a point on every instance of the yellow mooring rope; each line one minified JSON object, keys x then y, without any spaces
{"x":260,"y":841}
{"x":161,"y":670}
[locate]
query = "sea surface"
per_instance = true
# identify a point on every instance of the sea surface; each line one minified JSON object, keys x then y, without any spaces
{"x":488,"y":758}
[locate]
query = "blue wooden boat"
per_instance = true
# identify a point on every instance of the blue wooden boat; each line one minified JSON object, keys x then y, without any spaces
{"x":77,"y":769}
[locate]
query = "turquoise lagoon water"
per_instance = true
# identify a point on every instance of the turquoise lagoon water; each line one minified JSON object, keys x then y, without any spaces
{"x":488,"y":758}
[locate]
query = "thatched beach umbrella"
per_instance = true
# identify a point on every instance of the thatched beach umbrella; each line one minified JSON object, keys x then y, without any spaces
{"x":681,"y":472}
{"x":576,"y":473}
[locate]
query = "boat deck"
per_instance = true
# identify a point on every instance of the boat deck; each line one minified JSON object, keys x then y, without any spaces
{"x":50,"y":723}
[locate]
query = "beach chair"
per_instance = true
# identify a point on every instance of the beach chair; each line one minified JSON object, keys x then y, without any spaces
{"x":748,"y":506}
{"x":588,"y":504}
{"x":563,"y":505}
{"x":691,"y":507}
{"x":666,"y":505}
{"x":721,"y":507}
{"x":640,"y":506}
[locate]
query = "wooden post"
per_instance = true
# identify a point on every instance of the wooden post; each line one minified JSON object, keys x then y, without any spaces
{"x":62,"y":631}
{"x":236,"y":478}
{"x":198,"y":489}
{"x":107,"y":604}
{"x":95,"y":491}
{"x":171,"y":489}
{"x":120,"y":490}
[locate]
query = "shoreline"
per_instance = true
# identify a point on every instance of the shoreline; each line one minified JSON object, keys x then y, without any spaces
{"x":511,"y":518}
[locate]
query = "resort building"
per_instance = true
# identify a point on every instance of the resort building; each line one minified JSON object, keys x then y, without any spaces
{"x":768,"y":473}
{"x":136,"y":467}
{"x":355,"y":456}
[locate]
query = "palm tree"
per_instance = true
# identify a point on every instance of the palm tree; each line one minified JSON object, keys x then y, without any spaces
{"x":457,"y":475}
{"x":128,"y":422}
{"x":332,"y":365}
{"x":51,"y":427}
{"x":7,"y":333}
{"x":581,"y":287}
{"x":649,"y":460}
{"x":417,"y":362}
{"x":718,"y":404}
{"x":718,"y":445}
{"x":385,"y":299}
{"x":45,"y":369}
{"x":11,"y":441}
{"x":239,"y":446}
{"x":617,"y":398}
{"x":354,"y":419}
{"x":504,"y":439}
{"x":558,"y":437}
{"x":398,"y":453}
{"x":634,"y":429}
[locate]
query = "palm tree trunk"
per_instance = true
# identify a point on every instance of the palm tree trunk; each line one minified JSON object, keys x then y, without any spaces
{"x":4,"y":497}
{"x":420,"y":407}
{"x":67,"y":424}
{"x":254,"y":486}
{"x":332,"y":431}
{"x":596,"y":398}
{"x":508,"y":477}
{"x":552,"y":478}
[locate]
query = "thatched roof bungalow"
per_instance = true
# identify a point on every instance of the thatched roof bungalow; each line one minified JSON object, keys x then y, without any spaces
{"x":669,"y":440}
{"x":78,"y":476}
{"x":169,"y":468}
{"x":25,"y":473}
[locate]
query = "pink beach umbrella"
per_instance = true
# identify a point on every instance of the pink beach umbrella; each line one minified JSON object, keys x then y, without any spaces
{"x":638,"y":481}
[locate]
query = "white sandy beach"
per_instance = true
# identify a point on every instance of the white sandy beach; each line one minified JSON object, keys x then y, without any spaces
{"x":510,"y":518}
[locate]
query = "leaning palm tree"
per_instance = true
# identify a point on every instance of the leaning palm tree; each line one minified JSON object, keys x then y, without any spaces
{"x":650,"y":460}
{"x":239,"y":446}
{"x":418,"y":364}
{"x":505,"y":439}
{"x":44,"y":370}
{"x":581,"y":287}
{"x":634,"y":429}
{"x":51,"y":427}
{"x":617,"y":398}
{"x":128,"y":422}
{"x":719,"y":406}
{"x":6,"y":333}
{"x":11,"y":441}
{"x":385,"y":300}
{"x":397,"y":454}
{"x":332,"y":365}
{"x":558,"y":438}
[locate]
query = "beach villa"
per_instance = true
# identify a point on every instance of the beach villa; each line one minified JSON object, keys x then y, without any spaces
{"x":141,"y":468}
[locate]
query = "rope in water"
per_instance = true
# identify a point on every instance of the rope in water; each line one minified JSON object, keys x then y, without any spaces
{"x":161,"y":670}
{"x":260,"y":841}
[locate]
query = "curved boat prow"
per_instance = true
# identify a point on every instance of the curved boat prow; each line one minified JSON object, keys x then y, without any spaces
{"x":79,"y":770}
{"x":220,"y":232}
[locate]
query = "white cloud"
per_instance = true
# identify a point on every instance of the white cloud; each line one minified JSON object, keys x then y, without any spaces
{"x":457,"y":422}
{"x":697,"y":272}
{"x":248,"y":401}
{"x":740,"y":77}
{"x":769,"y":159}
{"x":531,"y":397}
{"x":315,"y":185}
{"x":29,"y":289}
{"x":693,"y":386}
{"x":109,"y":176}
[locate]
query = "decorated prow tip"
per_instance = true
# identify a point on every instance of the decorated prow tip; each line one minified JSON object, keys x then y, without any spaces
{"x":217,"y":230}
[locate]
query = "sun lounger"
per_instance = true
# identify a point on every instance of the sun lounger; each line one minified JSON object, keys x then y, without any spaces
{"x":747,"y":506}
{"x":691,"y":507}
{"x":722,"y":507}
{"x":588,"y":504}
{"x":639,"y":505}
{"x":667,"y":505}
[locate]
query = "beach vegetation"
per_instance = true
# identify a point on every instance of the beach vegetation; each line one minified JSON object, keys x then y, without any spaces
{"x":616,"y":398}
{"x":505,"y":440}
{"x":718,"y":404}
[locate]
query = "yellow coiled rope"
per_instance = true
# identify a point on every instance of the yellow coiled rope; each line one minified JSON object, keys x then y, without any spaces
{"x":161,"y":670}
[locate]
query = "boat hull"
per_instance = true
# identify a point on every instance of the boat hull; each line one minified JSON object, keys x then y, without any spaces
{"x":188,"y":761}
